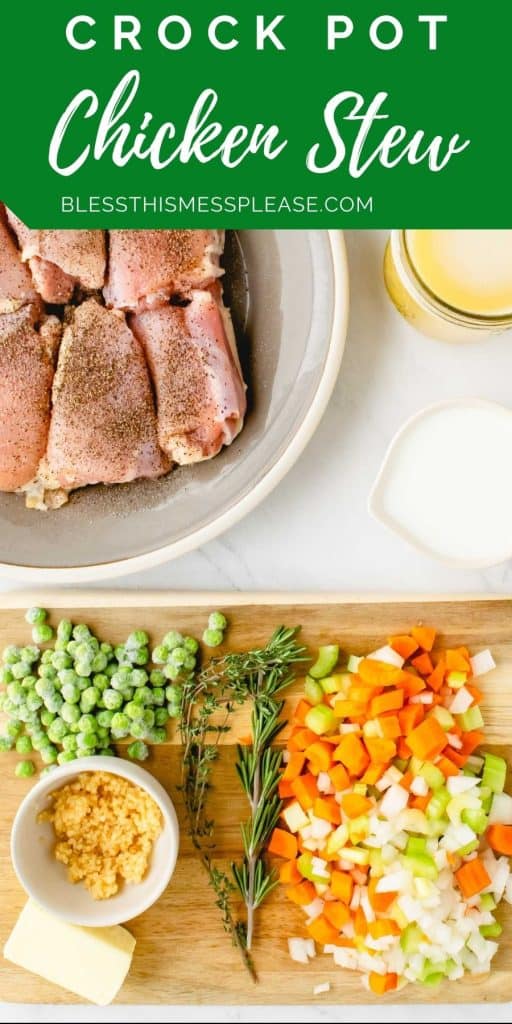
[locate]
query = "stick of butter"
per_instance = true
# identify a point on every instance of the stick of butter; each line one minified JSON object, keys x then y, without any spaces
{"x":91,"y":962}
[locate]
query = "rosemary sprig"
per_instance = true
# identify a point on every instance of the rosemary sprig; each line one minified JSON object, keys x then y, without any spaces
{"x":208,"y":700}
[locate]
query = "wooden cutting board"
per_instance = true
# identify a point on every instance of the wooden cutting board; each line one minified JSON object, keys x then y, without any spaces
{"x":182,"y":954}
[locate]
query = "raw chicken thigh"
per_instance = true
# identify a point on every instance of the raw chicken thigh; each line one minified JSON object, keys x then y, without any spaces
{"x":16,"y":288}
{"x":103,"y":427}
{"x":60,"y":260}
{"x":192,"y":357}
{"x":147,"y":268}
{"x":26,"y":373}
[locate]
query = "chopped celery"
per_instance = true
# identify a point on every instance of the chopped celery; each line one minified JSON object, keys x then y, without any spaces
{"x":330,"y":684}
{"x":320,"y":719}
{"x":494,"y":773}
{"x":438,"y":804}
{"x":358,"y":828}
{"x":445,"y":719}
{"x":432,"y":980}
{"x":360,"y":788}
{"x":305,"y":866}
{"x":415,"y":765}
{"x":313,"y":691}
{"x":477,"y":820}
{"x":416,"y":844}
{"x":353,"y":663}
{"x":487,"y":901}
{"x":337,"y":839}
{"x":491,"y":931}
{"x":485,"y":794}
{"x":325,"y":662}
{"x":471,"y":719}
{"x":475,"y":763}
{"x":411,"y":938}
{"x":421,"y":865}
{"x":456,"y":679}
{"x":433,"y":776}
{"x":355,"y":855}
{"x":469,"y":848}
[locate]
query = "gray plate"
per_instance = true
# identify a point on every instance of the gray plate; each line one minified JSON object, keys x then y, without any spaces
{"x":289,"y":297}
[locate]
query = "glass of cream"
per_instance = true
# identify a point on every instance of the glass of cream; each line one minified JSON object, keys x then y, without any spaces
{"x":454,"y":285}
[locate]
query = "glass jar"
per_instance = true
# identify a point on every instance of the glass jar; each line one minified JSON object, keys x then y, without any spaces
{"x":424,"y":309}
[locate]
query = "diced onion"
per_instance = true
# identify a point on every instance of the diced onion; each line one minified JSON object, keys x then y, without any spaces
{"x":388,"y":656}
{"x":482,"y":662}
{"x":298,"y":950}
{"x":456,"y":784}
{"x":461,"y":702}
{"x":501,"y":810}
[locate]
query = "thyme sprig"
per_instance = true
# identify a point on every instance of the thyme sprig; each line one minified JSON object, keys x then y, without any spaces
{"x":208,"y":700}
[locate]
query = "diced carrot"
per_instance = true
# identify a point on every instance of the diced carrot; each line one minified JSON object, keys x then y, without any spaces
{"x":456,"y":756}
{"x":322,"y":931}
{"x":352,"y":753}
{"x":302,"y":894}
{"x":377,"y":673}
{"x":436,"y":678}
{"x":378,"y":929}
{"x":285,"y":789}
{"x":423,"y":664}
{"x":390,"y":701}
{"x":373,"y":773}
{"x":427,"y":740}
{"x":390,"y":727}
{"x":499,"y":838}
{"x":305,"y":790}
{"x":355,"y":805}
{"x":320,"y":754}
{"x":339,"y":778}
{"x":457,"y":662}
{"x":326,"y":807}
{"x":411,"y":684}
{"x":289,"y":873}
{"x":303,"y":738}
{"x":349,"y":709}
{"x":364,"y":694}
{"x":410,"y":716}
{"x":299,"y":715}
{"x":406,"y":780}
{"x":403,"y":750}
{"x":382,"y":983}
{"x":476,"y":694}
{"x":403,"y":645}
{"x":425,"y":636}
{"x":379,"y":901}
{"x":447,"y":767}
{"x":360,"y":922}
{"x":294,"y":766}
{"x":283,"y":844}
{"x":380,"y":751}
{"x":420,"y":802}
{"x":336,"y":913}
{"x":471,"y":740}
{"x":472,"y":878}
{"x":342,"y":885}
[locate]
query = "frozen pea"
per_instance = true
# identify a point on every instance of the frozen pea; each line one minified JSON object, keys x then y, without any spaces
{"x":3,"y":698}
{"x":24,"y":713}
{"x":24,"y":769}
{"x":45,"y":688}
{"x":172,"y":639}
{"x":64,"y":630}
{"x":144,"y":695}
{"x":72,"y":647}
{"x":89,"y":698}
{"x":158,"y":696}
{"x":6,"y":675}
{"x":217,"y":621}
{"x":138,"y":751}
{"x":24,"y":745}
{"x":83,"y":668}
{"x":190,"y":663}
{"x":104,"y":719}
{"x":87,"y":723}
{"x":81,"y":632}
{"x":57,"y":730}
{"x":99,"y":662}
{"x":14,"y":729}
{"x":102,"y":733}
{"x":71,"y":693}
{"x":48,"y":672}
{"x":65,"y":756}
{"x":140,"y":656}
{"x":70,"y":713}
{"x":11,"y":654}
{"x":107,"y":649}
{"x":171,"y":671}
{"x":160,"y":654}
{"x":34,"y":701}
{"x":47,"y":657}
{"x":39,"y":740}
{"x":161,"y":716}
{"x":120,"y":653}
{"x":174,"y":710}
{"x":112,"y":699}
{"x":87,"y":740}
{"x":29,"y":682}
{"x":62,"y":661}
{"x":148,"y":718}
{"x":49,"y":753}
{"x":213,"y":637}
{"x":157,"y":735}
{"x":111,"y":669}
{"x":16,"y":693}
{"x":120,"y":722}
{"x":67,"y":675}
{"x":47,"y":717}
{"x":21,"y":669}
{"x":36,"y":616}
{"x":100,"y":681}
{"x":42,"y":634}
{"x":60,"y":645}
{"x":139,"y":677}
{"x":137,"y":639}
{"x":30,"y":654}
{"x":69,"y":742}
{"x":191,"y":644}
{"x":6,"y":744}
{"x":178,"y":657}
{"x":106,"y":752}
{"x":134,"y":711}
{"x":138,"y":730}
{"x":53,"y":702}
{"x":157,"y":677}
{"x":174,"y":694}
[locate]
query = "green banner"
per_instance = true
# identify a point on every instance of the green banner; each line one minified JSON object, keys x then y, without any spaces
{"x":352,"y":114}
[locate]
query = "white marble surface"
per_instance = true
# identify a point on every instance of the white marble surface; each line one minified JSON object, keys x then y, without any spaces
{"x":314,"y":533}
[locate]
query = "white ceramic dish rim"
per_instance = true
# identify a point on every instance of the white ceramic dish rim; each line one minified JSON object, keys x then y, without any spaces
{"x":138,"y":563}
{"x":375,"y":508}
{"x":114,"y":766}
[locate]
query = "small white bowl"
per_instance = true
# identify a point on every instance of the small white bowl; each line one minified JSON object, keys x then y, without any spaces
{"x":46,"y":880}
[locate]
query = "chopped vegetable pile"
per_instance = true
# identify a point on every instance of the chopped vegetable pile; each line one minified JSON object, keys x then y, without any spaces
{"x":395,"y":835}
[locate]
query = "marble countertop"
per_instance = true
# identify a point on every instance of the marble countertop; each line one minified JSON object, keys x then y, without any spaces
{"x":314,"y":533}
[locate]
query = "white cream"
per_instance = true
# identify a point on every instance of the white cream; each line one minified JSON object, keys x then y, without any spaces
{"x":446,"y":484}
